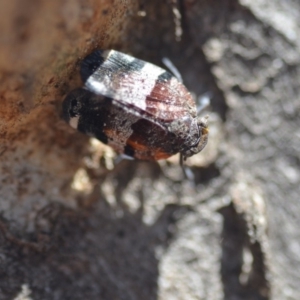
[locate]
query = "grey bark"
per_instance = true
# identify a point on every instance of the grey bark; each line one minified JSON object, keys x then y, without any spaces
{"x":74,"y":225}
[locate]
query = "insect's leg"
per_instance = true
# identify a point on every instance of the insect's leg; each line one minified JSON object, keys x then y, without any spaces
{"x":203,"y":102}
{"x":188,"y":174}
{"x":121,"y":157}
{"x":167,"y":62}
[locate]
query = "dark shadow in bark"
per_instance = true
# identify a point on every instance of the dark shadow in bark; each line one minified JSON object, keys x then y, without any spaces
{"x":242,"y":278}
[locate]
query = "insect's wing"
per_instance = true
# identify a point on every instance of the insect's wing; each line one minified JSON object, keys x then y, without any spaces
{"x":135,"y":83}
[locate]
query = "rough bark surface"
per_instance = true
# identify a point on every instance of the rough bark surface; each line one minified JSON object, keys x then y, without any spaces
{"x":75,"y":225}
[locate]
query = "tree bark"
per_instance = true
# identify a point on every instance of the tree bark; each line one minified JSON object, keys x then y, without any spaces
{"x":76,"y":225}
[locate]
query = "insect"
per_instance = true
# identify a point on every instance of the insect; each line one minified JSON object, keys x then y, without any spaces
{"x":137,"y":108}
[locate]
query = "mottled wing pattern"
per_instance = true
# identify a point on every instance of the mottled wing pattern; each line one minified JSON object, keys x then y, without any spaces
{"x":151,"y":89}
{"x":125,"y":132}
{"x":177,"y":101}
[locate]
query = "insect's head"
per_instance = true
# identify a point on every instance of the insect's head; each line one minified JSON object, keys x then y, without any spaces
{"x":203,"y":137}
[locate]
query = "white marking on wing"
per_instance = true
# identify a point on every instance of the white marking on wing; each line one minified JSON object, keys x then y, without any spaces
{"x":131,"y":89}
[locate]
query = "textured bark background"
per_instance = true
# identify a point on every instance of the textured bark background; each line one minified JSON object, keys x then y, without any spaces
{"x":74,"y":225}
